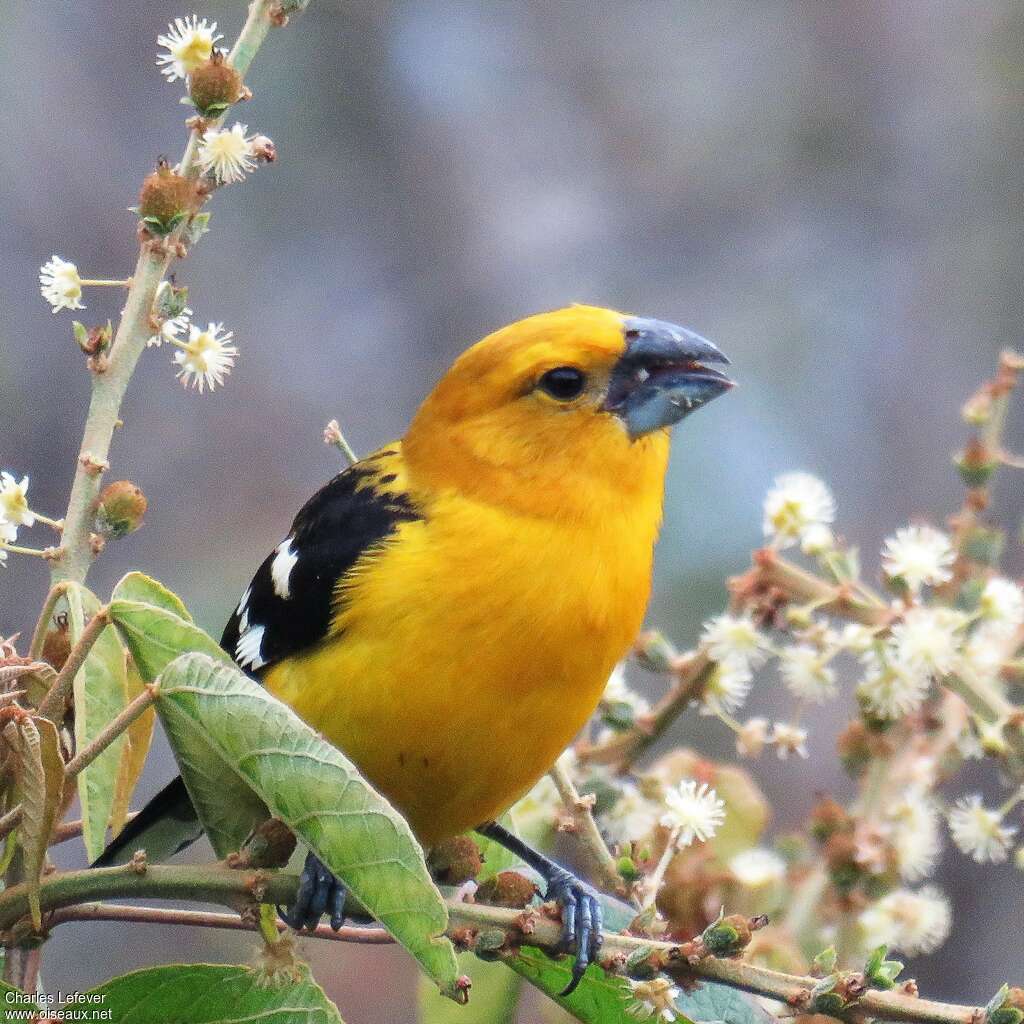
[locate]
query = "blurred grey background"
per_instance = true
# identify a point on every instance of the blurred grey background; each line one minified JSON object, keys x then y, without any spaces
{"x":832,"y":192}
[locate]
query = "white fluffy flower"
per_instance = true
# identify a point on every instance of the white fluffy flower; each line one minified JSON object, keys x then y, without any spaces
{"x":857,"y":638}
{"x":912,"y":827}
{"x":789,"y":739}
{"x":618,"y":691}
{"x":653,"y":1000}
{"x":1002,"y":602}
{"x":817,"y":540}
{"x":912,"y":922}
{"x":928,"y":639}
{"x":227,"y":153}
{"x":979,"y":831}
{"x":60,"y":284}
{"x":14,"y":510}
{"x":206,"y":358}
{"x":631,"y":818}
{"x":758,"y":867}
{"x":694,"y":810}
{"x":892,"y":690}
{"x":796,"y":507}
{"x":727,"y":688}
{"x":189,"y":43}
{"x":735,"y":639}
{"x":919,"y":555}
{"x":806,"y":672}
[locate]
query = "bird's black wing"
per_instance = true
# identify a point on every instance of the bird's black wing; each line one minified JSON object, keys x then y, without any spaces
{"x":292,"y":600}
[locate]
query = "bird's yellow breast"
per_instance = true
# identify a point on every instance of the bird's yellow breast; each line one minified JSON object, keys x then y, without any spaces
{"x":473,"y":645}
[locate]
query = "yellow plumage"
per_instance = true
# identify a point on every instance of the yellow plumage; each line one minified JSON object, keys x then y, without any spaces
{"x":471,"y":646}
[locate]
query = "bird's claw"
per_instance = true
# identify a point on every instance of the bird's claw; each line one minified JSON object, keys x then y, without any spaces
{"x":319,"y":893}
{"x":582,"y":920}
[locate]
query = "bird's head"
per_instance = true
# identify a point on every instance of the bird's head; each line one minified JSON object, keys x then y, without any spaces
{"x":575,"y":397}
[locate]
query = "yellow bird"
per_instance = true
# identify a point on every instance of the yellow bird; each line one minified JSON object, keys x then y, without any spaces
{"x":447,"y":611}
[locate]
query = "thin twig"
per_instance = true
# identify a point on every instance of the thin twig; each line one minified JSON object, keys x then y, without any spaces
{"x":580,"y":809}
{"x":10,"y":821}
{"x":112,"y":730}
{"x":55,"y":702}
{"x":73,"y":829}
{"x":206,"y":919}
{"x":625,"y":748}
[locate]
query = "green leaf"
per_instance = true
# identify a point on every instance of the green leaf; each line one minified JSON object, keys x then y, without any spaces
{"x":99,"y":697}
{"x":212,"y":994}
{"x":713,"y":1002}
{"x":156,"y":636}
{"x":254,"y":742}
{"x":137,"y":586}
{"x":15,"y":1005}
{"x":600,"y":999}
{"x":492,"y":999}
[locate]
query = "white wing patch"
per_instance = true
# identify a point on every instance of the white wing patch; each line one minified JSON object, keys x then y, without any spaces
{"x":248,"y":652}
{"x":281,"y":568}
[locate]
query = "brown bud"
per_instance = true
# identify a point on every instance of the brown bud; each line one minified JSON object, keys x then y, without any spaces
{"x":166,"y":199}
{"x":120,"y":509}
{"x":507,"y":889}
{"x":828,"y":818}
{"x":840,"y":854}
{"x":271,"y":845}
{"x":455,"y":860}
{"x":214,"y":86}
{"x":854,"y":747}
{"x":57,"y":643}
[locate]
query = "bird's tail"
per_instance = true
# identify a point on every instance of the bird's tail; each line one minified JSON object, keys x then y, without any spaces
{"x":167,"y":824}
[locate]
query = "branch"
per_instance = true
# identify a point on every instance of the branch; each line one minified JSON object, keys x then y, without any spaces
{"x":243,"y":890}
{"x":580,"y":809}
{"x":625,"y":748}
{"x":108,"y":386}
{"x":206,"y":919}
{"x":110,"y":732}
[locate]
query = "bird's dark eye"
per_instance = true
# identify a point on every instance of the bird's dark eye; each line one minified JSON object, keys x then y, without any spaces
{"x":563,"y":382}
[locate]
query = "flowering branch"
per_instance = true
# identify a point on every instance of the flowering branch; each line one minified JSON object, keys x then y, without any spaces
{"x":245,"y":890}
{"x":110,"y":378}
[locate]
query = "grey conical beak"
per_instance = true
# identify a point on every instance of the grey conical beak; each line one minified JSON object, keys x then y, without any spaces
{"x":662,"y":376}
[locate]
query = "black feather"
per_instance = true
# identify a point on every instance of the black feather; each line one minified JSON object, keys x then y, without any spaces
{"x":340,"y":523}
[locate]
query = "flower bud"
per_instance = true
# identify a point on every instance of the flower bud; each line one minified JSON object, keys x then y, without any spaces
{"x":170,"y":301}
{"x":455,"y":860}
{"x":728,"y":936}
{"x":93,"y":340}
{"x":975,"y":463}
{"x":214,"y":86}
{"x":655,"y":652}
{"x":828,"y":818}
{"x":166,"y":199}
{"x":57,"y":643}
{"x":271,"y":845}
{"x":854,"y":748}
{"x":120,"y":509}
{"x":507,"y":889}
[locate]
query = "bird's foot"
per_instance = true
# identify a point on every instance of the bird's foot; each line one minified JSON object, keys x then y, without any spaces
{"x":319,"y":893}
{"x":582,"y":918}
